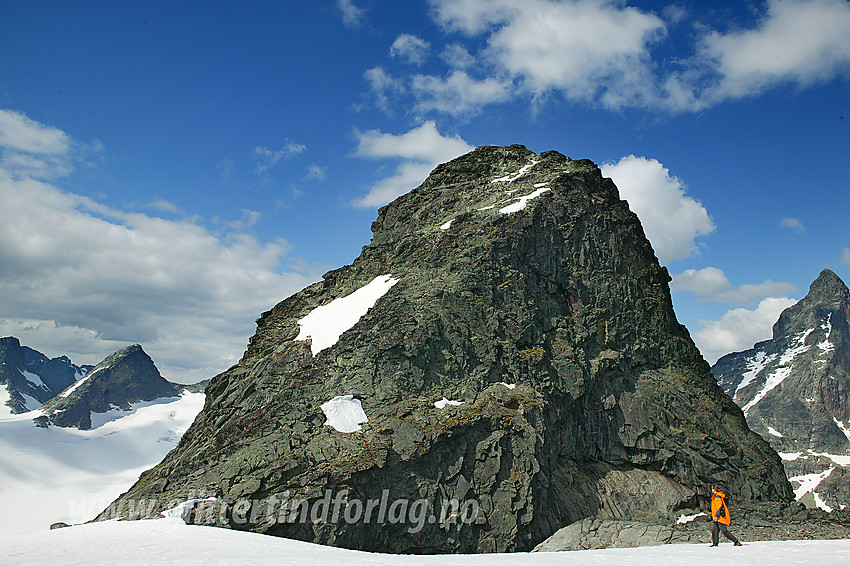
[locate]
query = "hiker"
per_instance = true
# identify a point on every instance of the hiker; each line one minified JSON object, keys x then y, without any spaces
{"x":720,"y":519}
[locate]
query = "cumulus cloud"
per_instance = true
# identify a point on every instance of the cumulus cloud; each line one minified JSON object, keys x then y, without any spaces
{"x":671,"y":220}
{"x":457,"y":56}
{"x":800,"y":42}
{"x":419,"y":151}
{"x":19,"y":133}
{"x":458,"y":94}
{"x":739,"y":329}
{"x":711,"y":285}
{"x":586,"y":49}
{"x":603,"y":52}
{"x":84,"y":279}
{"x":792,"y":224}
{"x":163,"y":205}
{"x":410,"y":47}
{"x":352,"y":16}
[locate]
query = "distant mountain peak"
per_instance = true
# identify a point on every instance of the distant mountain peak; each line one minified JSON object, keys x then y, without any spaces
{"x":30,"y":378}
{"x":828,"y":288}
{"x":795,"y":388}
{"x":127,"y":376}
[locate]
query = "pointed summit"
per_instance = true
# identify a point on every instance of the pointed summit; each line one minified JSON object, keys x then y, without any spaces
{"x":127,"y":376}
{"x":828,"y":296}
{"x":828,"y":289}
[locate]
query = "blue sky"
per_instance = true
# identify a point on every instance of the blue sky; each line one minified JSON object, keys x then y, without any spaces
{"x":171,"y":170}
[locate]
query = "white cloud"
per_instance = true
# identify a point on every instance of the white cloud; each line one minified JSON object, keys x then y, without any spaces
{"x":164,"y":206}
{"x":382,"y":86}
{"x":31,"y":149}
{"x":845,"y":256}
{"x":84,"y":279}
{"x":710,"y":284}
{"x":802,"y":42}
{"x":601,"y":52}
{"x":20,"y":133}
{"x":420,"y":150}
{"x":792,"y":223}
{"x":671,"y":220}
{"x":413,"y":49}
{"x":352,"y":16}
{"x":458,"y":94}
{"x":739,"y":329}
{"x":586,"y":49}
{"x":457,"y":56}
{"x":267,"y":158}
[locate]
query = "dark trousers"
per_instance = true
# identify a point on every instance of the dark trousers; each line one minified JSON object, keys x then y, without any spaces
{"x":716,"y":529}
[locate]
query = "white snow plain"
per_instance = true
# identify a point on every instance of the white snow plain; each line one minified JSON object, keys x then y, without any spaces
{"x":325,"y":324}
{"x":344,"y":413}
{"x":169,"y":541}
{"x":70,"y":475}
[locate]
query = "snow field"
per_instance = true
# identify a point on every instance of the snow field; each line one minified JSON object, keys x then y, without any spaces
{"x":70,"y":475}
{"x":169,"y":541}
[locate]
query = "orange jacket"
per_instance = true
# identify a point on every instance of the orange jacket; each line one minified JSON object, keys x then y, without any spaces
{"x":719,"y":511}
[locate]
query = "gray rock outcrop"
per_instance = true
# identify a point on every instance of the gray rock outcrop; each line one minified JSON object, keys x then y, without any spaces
{"x":610,"y":533}
{"x":523,"y":357}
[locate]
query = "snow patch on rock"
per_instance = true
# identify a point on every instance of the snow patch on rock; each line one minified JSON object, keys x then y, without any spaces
{"x":325,"y":324}
{"x":344,"y":413}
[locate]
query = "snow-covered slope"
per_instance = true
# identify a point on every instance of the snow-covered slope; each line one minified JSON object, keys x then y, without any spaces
{"x":169,"y":541}
{"x":57,"y":474}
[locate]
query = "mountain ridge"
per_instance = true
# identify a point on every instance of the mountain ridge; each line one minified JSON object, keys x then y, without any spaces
{"x":31,"y":378}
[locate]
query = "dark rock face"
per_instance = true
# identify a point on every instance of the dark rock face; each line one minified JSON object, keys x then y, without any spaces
{"x":127,"y":376}
{"x":27,"y":372}
{"x":553,"y":325}
{"x":795,"y":388}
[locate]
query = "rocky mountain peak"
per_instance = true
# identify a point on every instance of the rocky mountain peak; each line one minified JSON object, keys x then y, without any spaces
{"x":829,"y":288}
{"x":828,"y":296}
{"x":507,"y":341}
{"x":795,"y":388}
{"x":30,"y":378}
{"x":127,"y":376}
